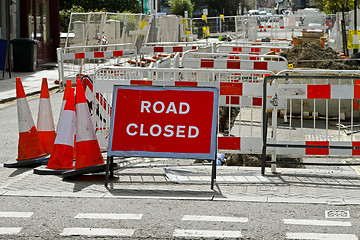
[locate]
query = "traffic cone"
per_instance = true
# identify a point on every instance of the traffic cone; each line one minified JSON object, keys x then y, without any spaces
{"x":68,"y":86}
{"x":66,"y":94}
{"x":61,"y":158}
{"x":30,"y":151}
{"x":45,"y":121}
{"x":88,"y":154}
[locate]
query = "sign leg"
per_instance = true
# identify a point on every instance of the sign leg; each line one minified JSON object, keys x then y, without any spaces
{"x":107,"y":171}
{"x":213,"y":174}
{"x":111,"y":166}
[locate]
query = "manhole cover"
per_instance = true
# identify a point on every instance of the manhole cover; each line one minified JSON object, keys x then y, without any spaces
{"x":337,"y":214}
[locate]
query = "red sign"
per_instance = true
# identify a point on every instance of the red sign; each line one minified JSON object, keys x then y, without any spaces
{"x":164,"y":122}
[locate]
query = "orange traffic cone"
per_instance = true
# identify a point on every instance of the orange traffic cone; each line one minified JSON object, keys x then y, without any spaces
{"x":45,"y":121}
{"x":88,"y":150}
{"x":30,"y":151}
{"x":61,"y":158}
{"x":66,"y":94}
{"x":88,"y":154}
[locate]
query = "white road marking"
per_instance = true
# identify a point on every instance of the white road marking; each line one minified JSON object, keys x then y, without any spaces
{"x":109,"y":216}
{"x":316,"y":222}
{"x":321,"y":236}
{"x":206,"y":234}
{"x":214,"y":218}
{"x":16,"y":214}
{"x":9,"y":230}
{"x":97,"y":232}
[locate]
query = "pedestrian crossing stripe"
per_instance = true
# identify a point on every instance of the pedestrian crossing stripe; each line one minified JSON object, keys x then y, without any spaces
{"x":109,"y":216}
{"x":97,"y":232}
{"x":213,"y":218}
{"x":317,"y":222}
{"x":321,"y":236}
{"x":206,"y":234}
{"x":9,"y":230}
{"x":16,"y":214}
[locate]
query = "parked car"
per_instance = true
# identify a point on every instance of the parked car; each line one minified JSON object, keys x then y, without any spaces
{"x":263,"y":16}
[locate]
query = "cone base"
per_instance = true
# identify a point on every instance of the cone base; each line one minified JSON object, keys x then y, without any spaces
{"x":43,"y":170}
{"x":27,"y":163}
{"x":81,"y":171}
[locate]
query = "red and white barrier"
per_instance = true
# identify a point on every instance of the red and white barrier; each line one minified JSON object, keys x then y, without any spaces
{"x":238,"y":88}
{"x":235,"y":64}
{"x":246,"y":49}
{"x":166,"y":49}
{"x":83,"y":60}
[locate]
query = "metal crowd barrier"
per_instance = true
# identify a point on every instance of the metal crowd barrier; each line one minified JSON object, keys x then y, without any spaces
{"x":320,"y":116}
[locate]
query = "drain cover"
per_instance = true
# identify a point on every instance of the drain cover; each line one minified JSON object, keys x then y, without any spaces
{"x":337,"y":214}
{"x":268,"y":188}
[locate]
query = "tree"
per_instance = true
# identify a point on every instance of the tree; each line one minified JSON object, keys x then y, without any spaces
{"x":178,"y":7}
{"x":334,"y":6}
{"x":108,"y":5}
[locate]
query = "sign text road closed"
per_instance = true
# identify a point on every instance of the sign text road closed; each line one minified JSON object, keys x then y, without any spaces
{"x":151,"y":121}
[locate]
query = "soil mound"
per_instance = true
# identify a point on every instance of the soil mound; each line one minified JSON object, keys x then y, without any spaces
{"x":311,"y":55}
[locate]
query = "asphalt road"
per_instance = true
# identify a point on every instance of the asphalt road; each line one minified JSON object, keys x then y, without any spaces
{"x":52,"y":218}
{"x":59,"y":217}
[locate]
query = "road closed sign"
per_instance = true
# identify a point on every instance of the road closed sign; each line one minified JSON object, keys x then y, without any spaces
{"x":175,"y":122}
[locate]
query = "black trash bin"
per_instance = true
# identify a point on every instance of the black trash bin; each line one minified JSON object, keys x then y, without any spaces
{"x":24,"y":54}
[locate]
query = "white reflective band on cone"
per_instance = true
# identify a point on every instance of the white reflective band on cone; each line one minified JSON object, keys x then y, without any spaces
{"x":67,"y":130}
{"x":45,"y":117}
{"x":85,"y":130}
{"x":25,"y":120}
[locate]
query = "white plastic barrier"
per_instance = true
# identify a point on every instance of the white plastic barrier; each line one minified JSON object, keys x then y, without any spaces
{"x":263,"y":49}
{"x":321,"y":114}
{"x":240,"y":90}
{"x":75,"y":62}
{"x":234,"y":61}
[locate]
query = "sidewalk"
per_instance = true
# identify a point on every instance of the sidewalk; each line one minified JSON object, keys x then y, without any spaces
{"x":177,"y":178}
{"x":31,"y":82}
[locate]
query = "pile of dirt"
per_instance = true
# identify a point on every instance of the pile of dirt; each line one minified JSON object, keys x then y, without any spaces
{"x":254,"y":160}
{"x":311,"y":55}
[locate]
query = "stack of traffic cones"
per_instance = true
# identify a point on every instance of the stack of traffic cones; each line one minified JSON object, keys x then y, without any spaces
{"x":30,"y":151}
{"x":61,"y":158}
{"x":88,"y":154}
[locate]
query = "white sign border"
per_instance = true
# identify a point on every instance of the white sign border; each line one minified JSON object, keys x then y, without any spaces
{"x":213,"y":148}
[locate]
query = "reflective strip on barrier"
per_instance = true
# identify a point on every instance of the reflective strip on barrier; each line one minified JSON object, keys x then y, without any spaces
{"x":304,"y":91}
{"x":97,"y":54}
{"x":167,"y":49}
{"x":235,"y":49}
{"x":234,"y":64}
{"x":328,"y":148}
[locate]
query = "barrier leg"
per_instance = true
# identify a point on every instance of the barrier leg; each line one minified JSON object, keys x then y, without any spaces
{"x":263,"y":156}
{"x":213,"y":174}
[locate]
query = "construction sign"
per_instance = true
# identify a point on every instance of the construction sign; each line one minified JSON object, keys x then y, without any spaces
{"x":353,"y":40}
{"x":153,"y":121}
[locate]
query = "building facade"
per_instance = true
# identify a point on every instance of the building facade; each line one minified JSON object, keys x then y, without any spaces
{"x":35,"y":19}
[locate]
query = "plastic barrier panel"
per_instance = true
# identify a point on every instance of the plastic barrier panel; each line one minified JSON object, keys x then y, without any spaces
{"x":240,"y":98}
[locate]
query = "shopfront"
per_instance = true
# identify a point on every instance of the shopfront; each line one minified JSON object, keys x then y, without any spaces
{"x":39,"y":20}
